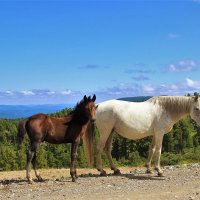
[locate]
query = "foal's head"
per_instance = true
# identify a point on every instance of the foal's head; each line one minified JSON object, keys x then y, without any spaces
{"x":85,"y":110}
{"x":195,"y":110}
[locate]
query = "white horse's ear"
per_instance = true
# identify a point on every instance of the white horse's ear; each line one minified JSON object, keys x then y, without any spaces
{"x":196,"y":97}
{"x":96,"y":106}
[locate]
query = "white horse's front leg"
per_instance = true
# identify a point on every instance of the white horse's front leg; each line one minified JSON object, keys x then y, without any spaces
{"x":158,"y":144}
{"x":152,"y":149}
{"x":157,"y":167}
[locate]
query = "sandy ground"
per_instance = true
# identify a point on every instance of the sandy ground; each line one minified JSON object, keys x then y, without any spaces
{"x":180,"y":182}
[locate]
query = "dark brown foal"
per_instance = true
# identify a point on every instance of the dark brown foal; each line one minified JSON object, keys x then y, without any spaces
{"x":57,"y":130}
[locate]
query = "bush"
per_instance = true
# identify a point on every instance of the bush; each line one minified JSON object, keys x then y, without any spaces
{"x":135,"y":159}
{"x":191,"y":155}
{"x":170,"y":158}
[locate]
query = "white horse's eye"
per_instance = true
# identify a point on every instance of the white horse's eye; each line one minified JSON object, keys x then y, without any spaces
{"x":197,"y":109}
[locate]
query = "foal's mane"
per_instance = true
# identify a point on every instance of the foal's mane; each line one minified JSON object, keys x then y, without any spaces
{"x":79,"y":113}
{"x":173,"y":104}
{"x":79,"y":104}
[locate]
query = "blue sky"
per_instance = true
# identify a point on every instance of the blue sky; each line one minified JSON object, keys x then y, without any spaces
{"x":57,"y":51}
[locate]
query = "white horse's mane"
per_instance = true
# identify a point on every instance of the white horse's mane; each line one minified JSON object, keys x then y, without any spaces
{"x":173,"y":104}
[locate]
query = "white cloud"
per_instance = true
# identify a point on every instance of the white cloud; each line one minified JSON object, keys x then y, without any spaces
{"x":148,"y":88}
{"x":28,"y":93}
{"x":174,"y":87}
{"x":118,"y":91}
{"x":66,"y":92}
{"x":132,"y":89}
{"x":172,"y":68}
{"x":190,"y":82}
{"x":50,"y":92}
{"x":182,"y":66}
{"x":193,"y":84}
{"x":8,"y":92}
{"x":41,"y":96}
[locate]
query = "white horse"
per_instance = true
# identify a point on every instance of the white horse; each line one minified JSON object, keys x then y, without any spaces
{"x":132,"y":120}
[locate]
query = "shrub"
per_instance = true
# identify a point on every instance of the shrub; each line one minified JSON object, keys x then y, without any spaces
{"x":170,"y":158}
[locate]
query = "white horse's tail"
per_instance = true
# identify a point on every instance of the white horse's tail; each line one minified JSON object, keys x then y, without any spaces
{"x":88,"y":143}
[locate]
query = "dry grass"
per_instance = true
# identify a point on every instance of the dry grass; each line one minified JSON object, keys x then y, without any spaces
{"x":52,"y":173}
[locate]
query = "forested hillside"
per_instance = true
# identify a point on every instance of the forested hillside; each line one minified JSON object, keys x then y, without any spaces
{"x":181,"y":145}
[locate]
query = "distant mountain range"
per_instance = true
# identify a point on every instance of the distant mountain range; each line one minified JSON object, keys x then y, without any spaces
{"x":20,"y":111}
{"x":136,"y":99}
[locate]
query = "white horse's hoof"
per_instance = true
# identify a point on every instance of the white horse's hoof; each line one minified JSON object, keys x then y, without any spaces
{"x":149,"y":171}
{"x":160,"y":174}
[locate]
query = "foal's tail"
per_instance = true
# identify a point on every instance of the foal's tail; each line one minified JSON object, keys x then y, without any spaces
{"x":88,"y":143}
{"x":21,"y":131}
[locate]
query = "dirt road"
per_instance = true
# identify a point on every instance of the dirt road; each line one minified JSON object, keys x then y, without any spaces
{"x":180,"y":183}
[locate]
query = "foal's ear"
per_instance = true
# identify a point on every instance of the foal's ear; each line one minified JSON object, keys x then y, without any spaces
{"x":89,"y":98}
{"x":94,"y":98}
{"x":85,"y":98}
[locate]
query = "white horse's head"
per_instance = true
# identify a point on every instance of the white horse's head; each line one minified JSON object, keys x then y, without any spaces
{"x":195,"y":110}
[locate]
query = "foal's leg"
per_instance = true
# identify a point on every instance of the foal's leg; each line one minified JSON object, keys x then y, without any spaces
{"x":73,"y":172}
{"x":34,"y":161}
{"x":30,"y":155}
{"x":158,"y":144}
{"x":108,"y":149}
{"x":152,"y":149}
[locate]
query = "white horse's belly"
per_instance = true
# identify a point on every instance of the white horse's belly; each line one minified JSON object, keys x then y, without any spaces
{"x":133,"y":132}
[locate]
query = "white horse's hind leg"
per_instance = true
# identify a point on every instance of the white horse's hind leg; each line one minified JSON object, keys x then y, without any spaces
{"x":108,"y":149}
{"x":104,"y":134}
{"x":100,"y":146}
{"x":152,"y":149}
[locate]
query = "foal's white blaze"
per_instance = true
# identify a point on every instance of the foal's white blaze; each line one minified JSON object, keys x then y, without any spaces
{"x":155,"y":117}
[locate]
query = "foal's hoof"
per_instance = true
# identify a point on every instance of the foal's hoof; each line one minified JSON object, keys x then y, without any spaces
{"x":103,"y":173}
{"x":73,"y":179}
{"x":30,"y":181}
{"x":117,"y":172}
{"x":40,"y":179}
